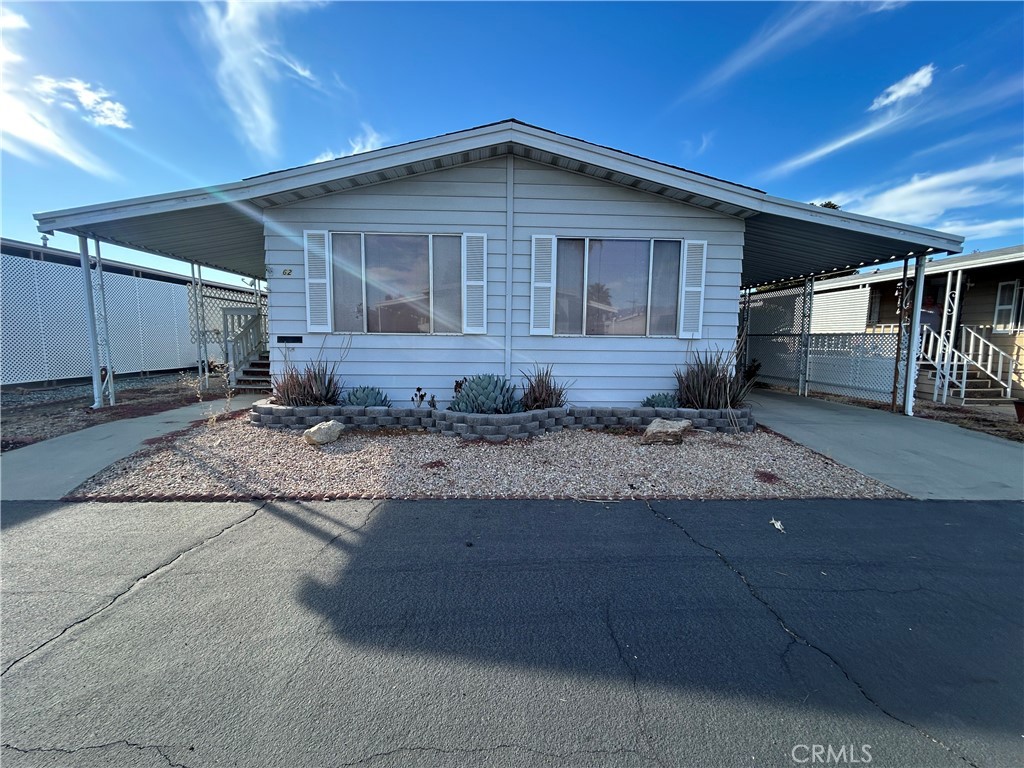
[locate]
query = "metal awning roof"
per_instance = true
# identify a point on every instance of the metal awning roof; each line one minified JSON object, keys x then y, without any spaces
{"x":223,"y":227}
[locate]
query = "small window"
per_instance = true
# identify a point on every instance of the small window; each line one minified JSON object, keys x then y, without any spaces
{"x":1006,"y":315}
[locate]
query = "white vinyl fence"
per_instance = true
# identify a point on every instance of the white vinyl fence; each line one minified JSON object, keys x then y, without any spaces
{"x":150,"y":323}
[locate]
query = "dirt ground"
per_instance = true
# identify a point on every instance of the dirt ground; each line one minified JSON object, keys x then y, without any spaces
{"x":23,"y":423}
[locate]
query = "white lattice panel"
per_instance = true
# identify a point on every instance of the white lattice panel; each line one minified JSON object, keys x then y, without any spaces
{"x":852,"y":364}
{"x":21,"y":336}
{"x":64,"y":320}
{"x":44,"y":326}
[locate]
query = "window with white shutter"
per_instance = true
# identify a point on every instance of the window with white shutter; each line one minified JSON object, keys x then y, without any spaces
{"x":474,"y":283}
{"x":691,"y":313}
{"x":542,"y":304}
{"x":318,"y":282}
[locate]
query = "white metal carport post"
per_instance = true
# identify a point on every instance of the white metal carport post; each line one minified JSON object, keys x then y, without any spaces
{"x":90,"y":312}
{"x":914,"y":342}
{"x":103,"y":330}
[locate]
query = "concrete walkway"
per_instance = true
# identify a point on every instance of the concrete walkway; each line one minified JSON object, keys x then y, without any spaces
{"x":924,"y":458}
{"x":53,"y":468}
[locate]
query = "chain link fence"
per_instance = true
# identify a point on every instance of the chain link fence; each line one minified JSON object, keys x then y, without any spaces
{"x":860,"y":365}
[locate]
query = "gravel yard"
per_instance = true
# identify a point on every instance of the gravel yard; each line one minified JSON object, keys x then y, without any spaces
{"x":233,"y":459}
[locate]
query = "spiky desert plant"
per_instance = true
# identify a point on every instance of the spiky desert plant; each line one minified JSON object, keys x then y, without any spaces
{"x":712,"y":380}
{"x":486,"y":393}
{"x":541,"y":390}
{"x":367,"y":397}
{"x":660,"y":400}
{"x":316,"y":384}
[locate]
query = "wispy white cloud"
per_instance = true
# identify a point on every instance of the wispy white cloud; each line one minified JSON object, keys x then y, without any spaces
{"x":73,"y":93}
{"x":934,"y":200}
{"x":696,"y":149}
{"x":911,"y":85}
{"x":367,"y":141}
{"x":798,"y":26}
{"x":982,"y":230}
{"x":872,"y":128}
{"x":35,"y":113}
{"x":9,"y":22}
{"x":894,"y":114}
{"x":250,"y":58}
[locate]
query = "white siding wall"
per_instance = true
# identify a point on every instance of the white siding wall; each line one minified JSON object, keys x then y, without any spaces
{"x":617,"y":370}
{"x":609,"y":371}
{"x":466,"y":199}
{"x":840,"y":311}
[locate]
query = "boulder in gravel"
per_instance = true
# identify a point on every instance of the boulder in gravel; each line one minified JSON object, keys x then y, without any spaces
{"x":665,"y":431}
{"x":323,"y":433}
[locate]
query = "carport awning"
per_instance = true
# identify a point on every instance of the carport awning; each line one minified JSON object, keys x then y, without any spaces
{"x":222,"y":227}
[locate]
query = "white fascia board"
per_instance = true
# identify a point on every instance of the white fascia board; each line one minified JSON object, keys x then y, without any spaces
{"x":940,"y":267}
{"x":240,"y":193}
{"x":855,"y":222}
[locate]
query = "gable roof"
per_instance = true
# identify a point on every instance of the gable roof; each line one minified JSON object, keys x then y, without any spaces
{"x":222,"y":226}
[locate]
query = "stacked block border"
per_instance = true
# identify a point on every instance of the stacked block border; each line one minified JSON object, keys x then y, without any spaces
{"x":496,"y":428}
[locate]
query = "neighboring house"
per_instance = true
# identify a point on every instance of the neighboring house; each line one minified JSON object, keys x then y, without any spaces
{"x":151,"y":315}
{"x":980,"y":294}
{"x":496,"y":248}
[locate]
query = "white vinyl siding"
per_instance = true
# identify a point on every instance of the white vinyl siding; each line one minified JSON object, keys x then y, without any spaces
{"x":464,"y":199}
{"x":617,"y":370}
{"x":608,"y":370}
{"x":841,"y":311}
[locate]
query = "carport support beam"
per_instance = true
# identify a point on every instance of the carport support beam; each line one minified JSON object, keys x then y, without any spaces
{"x":90,"y":313}
{"x":914,"y":342}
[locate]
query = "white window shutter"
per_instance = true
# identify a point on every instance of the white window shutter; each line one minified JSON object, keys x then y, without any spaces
{"x":474,"y":283}
{"x":542,"y":295}
{"x":691,"y":305}
{"x":318,"y":282}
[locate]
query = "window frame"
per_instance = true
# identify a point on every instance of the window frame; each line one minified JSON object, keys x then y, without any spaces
{"x":430,"y":280}
{"x":650,"y":283}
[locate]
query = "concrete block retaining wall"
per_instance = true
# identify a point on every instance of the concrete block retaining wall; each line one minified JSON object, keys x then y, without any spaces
{"x":495,"y":428}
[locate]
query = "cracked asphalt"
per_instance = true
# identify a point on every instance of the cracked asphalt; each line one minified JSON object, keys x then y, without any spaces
{"x":521,"y":633}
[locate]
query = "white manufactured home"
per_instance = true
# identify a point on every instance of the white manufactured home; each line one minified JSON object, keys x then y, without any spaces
{"x":496,"y":248}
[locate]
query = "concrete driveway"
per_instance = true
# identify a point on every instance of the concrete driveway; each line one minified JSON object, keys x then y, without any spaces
{"x":512,"y":633}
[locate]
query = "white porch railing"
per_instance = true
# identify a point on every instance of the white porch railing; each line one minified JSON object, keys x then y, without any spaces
{"x":951,"y":366}
{"x":243,"y":338}
{"x":988,"y":358}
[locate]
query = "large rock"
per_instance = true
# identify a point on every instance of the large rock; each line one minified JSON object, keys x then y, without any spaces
{"x":323,"y":433}
{"x":665,"y":431}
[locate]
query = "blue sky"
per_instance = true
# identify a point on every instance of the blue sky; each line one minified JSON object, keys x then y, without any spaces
{"x":903,"y":110}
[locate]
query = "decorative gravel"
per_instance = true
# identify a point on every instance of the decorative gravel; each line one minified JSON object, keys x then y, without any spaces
{"x":234,"y":460}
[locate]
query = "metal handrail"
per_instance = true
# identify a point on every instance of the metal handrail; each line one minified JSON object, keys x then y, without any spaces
{"x":988,"y":358}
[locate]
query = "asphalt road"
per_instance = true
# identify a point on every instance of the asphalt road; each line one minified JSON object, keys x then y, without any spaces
{"x":513,"y":633}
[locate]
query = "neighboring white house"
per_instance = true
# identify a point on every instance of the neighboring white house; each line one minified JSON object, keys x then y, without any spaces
{"x":496,"y":248}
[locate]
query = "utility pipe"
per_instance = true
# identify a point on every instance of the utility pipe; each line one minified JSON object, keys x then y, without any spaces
{"x":90,"y":312}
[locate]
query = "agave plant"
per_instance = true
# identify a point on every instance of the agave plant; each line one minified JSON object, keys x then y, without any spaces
{"x":660,"y":400}
{"x":367,"y":397}
{"x":486,"y":393}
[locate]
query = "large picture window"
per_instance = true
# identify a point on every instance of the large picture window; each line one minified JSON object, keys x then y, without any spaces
{"x":606,"y":287}
{"x":396,"y":283}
